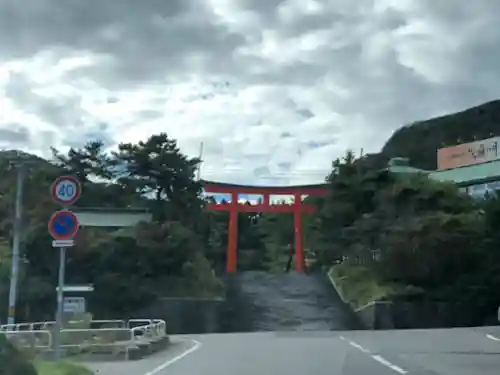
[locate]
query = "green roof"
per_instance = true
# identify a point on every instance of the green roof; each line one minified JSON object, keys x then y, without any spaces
{"x":471,"y":174}
{"x":462,"y":176}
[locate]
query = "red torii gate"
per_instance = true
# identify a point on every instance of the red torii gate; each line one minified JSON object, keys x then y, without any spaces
{"x":234,"y":208}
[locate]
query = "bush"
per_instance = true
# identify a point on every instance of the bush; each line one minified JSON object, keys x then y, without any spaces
{"x":12,"y":361}
{"x":60,"y":368}
{"x":360,"y":285}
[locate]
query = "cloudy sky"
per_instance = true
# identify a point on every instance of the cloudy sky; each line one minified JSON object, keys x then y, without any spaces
{"x":274,"y":89}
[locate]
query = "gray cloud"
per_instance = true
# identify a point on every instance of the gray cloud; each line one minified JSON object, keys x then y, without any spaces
{"x":61,"y":111}
{"x":344,"y":76}
{"x":140,"y":40}
{"x":35,"y":25}
{"x":14,"y":134}
{"x":100,"y":132}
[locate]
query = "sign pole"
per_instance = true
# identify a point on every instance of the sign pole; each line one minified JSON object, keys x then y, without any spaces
{"x":59,"y":314}
{"x":63,"y":227}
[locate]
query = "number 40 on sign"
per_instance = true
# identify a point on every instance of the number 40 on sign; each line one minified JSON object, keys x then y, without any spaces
{"x":66,"y":190}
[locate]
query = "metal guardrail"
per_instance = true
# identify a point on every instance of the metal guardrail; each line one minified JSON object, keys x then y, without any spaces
{"x":49,"y":324}
{"x":125,"y":334}
{"x":38,"y":339}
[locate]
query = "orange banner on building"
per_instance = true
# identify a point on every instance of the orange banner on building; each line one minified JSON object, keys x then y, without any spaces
{"x":468,"y":154}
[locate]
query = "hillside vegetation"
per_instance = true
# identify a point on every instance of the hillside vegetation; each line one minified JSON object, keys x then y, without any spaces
{"x":129,"y":267}
{"x":405,"y":236}
{"x":418,"y":238}
{"x":182,"y":252}
{"x":420,"y":141}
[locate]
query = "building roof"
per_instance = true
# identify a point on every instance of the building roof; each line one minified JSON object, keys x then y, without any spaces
{"x":471,"y":174}
{"x":462,"y":176}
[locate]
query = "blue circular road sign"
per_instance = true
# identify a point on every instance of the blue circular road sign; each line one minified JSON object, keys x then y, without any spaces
{"x":63,"y":225}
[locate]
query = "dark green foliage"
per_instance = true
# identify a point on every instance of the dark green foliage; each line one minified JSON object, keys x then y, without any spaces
{"x":410,"y":230}
{"x":12,"y":361}
{"x":131,"y":266}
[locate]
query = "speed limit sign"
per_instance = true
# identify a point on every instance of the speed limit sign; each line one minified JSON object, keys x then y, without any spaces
{"x":66,"y":190}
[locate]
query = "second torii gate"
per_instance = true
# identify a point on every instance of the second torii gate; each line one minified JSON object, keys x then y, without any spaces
{"x":234,"y":208}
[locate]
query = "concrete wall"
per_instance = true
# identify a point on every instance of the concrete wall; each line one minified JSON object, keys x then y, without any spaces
{"x":188,"y":315}
{"x":417,"y":314}
{"x":420,"y":314}
{"x":203,"y":315}
{"x":234,"y":314}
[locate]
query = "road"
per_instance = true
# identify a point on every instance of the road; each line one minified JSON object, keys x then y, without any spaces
{"x":459,"y":351}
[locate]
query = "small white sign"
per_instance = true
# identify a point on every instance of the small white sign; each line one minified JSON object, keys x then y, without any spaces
{"x":76,"y":288}
{"x":63,"y":243}
{"x":74,"y":305}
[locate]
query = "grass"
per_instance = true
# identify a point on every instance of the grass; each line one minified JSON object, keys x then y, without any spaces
{"x":60,"y":368}
{"x":359,"y":285}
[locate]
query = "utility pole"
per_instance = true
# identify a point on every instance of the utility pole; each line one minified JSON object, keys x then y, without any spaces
{"x":199,"y":164}
{"x":16,"y":243}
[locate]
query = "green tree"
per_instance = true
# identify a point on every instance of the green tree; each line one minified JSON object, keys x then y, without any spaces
{"x":87,"y":162}
{"x":95,"y":169}
{"x":132,"y":266}
{"x":158,"y":169}
{"x":352,"y":189}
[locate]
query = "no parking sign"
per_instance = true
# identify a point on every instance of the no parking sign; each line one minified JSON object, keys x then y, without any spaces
{"x":63,"y":225}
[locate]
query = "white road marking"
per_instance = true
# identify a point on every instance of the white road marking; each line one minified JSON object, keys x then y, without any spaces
{"x":171,"y":361}
{"x":491,"y":337}
{"x":376,"y":357}
{"x":356,"y":345}
{"x":385,"y":362}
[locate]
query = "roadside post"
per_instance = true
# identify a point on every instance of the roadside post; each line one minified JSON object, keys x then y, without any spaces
{"x":16,"y":244}
{"x":63,"y":226}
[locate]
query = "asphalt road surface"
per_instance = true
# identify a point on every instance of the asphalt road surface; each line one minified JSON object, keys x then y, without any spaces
{"x":459,"y":351}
